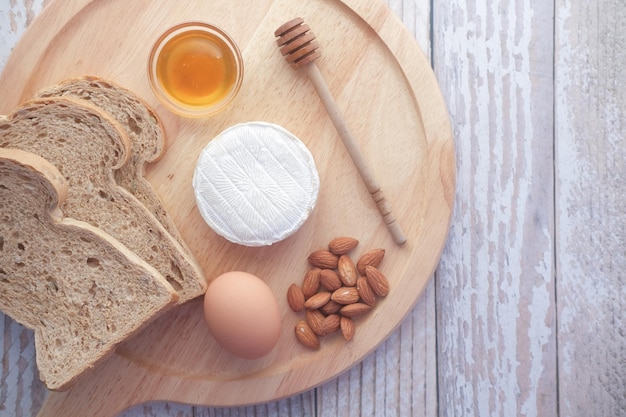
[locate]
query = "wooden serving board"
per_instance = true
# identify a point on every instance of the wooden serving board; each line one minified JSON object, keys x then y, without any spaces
{"x":391,"y":101}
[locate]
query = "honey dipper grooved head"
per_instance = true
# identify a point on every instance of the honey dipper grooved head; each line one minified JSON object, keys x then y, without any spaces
{"x":297,"y":43}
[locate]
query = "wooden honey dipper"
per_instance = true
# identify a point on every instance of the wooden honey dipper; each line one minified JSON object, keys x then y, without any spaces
{"x":299,"y":47}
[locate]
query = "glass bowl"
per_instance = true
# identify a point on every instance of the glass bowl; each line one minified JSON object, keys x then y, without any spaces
{"x":195,"y":69}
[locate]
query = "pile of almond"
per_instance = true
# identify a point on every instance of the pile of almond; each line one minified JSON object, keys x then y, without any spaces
{"x":336,"y":291}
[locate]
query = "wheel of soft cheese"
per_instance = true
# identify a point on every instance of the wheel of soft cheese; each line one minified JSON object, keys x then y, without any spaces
{"x":255,"y":183}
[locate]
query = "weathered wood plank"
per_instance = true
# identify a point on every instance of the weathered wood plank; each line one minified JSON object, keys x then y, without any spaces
{"x":495,"y":293}
{"x":299,"y":405}
{"x":159,"y":409}
{"x":15,"y":16}
{"x":407,"y":390}
{"x":21,"y":392}
{"x":400,"y":377}
{"x":495,"y":285}
{"x":591,"y":185}
{"x":415,"y":15}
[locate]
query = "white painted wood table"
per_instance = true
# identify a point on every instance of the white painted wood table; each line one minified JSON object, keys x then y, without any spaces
{"x":526,"y":314}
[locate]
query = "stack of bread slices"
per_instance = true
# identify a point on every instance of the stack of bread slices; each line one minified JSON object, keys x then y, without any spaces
{"x":88,"y":253}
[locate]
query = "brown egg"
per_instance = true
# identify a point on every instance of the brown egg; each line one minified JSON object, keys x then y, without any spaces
{"x":242,"y":314}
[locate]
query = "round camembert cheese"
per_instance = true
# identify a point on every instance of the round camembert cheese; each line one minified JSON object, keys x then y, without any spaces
{"x":255,"y":183}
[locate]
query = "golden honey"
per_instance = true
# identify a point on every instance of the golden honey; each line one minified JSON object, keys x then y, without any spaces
{"x":195,"y":69}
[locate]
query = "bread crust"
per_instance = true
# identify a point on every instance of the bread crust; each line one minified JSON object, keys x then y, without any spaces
{"x":80,"y":290}
{"x":144,"y":129}
{"x":139,"y":121}
{"x":87,"y":146}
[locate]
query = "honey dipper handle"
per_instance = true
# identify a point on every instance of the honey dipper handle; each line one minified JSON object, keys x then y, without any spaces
{"x":353,"y":149}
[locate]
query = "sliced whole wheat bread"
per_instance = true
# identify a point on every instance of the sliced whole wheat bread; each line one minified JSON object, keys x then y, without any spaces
{"x":147,"y":139}
{"x":80,"y":291}
{"x":87,"y":146}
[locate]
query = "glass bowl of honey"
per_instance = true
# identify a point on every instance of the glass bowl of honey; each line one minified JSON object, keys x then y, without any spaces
{"x":195,"y":69}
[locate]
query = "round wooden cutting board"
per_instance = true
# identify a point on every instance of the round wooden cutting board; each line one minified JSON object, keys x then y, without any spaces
{"x":390,"y":99}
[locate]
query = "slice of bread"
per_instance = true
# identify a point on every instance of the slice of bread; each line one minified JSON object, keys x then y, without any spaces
{"x":87,"y":146}
{"x":147,"y":139}
{"x":77,"y":288}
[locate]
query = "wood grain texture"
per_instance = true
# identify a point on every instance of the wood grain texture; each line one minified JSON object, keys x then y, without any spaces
{"x":591,"y":207}
{"x":15,"y":17}
{"x":148,"y":409}
{"x":399,"y":379}
{"x":496,"y":286}
{"x":493,"y":61}
{"x":21,"y":392}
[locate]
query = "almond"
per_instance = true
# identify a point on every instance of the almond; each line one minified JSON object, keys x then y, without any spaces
{"x":336,"y":291}
{"x":346,"y":324}
{"x":305,"y":335}
{"x":315,"y":320}
{"x":346,"y":271}
{"x":329,"y":279}
{"x":318,"y":300}
{"x":311,"y":283}
{"x":323,"y":259}
{"x":354,"y":310}
{"x":295,"y":297}
{"x":365,"y":292}
{"x":342,"y":245}
{"x":377,"y":281}
{"x":373,"y":258}
{"x":330,"y":307}
{"x":331,"y":324}
{"x":345,"y":295}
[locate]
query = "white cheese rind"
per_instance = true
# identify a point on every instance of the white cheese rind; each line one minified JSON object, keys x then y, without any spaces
{"x":255,"y":183}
